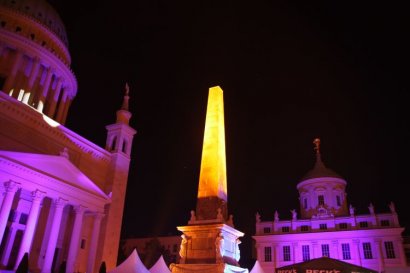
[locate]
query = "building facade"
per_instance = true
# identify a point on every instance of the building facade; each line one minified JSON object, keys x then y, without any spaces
{"x":168,"y":244}
{"x":327,"y":226}
{"x":62,"y":196}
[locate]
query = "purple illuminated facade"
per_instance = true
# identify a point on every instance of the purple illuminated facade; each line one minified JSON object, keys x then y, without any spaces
{"x":328,"y":226}
{"x":61,"y":196}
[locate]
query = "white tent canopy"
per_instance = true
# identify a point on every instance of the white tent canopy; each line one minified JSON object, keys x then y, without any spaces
{"x":132,"y":264}
{"x":160,"y":266}
{"x":257,"y":268}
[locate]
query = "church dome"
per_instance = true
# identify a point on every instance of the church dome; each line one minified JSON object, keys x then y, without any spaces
{"x":40,"y":11}
{"x":34,"y":57}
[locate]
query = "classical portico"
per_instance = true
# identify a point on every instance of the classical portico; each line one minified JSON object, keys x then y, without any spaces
{"x":50,"y":189}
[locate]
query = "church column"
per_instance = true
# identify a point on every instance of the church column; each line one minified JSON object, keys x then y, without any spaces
{"x":43,"y":96}
{"x":8,"y":85}
{"x":62,"y":105}
{"x":11,"y":188}
{"x":94,"y":242}
{"x":32,"y":77}
{"x":30,"y":226}
{"x":52,"y":240}
{"x":67,"y":106}
{"x":54,"y":99}
{"x":380,"y":255}
{"x":9,"y":245}
{"x":75,"y":238}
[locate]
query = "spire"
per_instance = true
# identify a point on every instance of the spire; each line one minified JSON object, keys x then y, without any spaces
{"x":126,"y":98}
{"x":319,"y":163}
{"x":319,"y":169}
{"x":212,"y":190}
{"x":123,"y":115}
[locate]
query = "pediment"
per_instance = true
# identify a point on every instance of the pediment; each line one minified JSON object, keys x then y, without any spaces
{"x":54,"y":166}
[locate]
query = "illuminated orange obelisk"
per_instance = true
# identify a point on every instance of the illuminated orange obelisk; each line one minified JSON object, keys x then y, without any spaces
{"x":210,"y":243}
{"x":212,"y":189}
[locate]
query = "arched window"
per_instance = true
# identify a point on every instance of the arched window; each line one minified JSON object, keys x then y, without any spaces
{"x":124,"y":146}
{"x":321,"y":200}
{"x":113,"y":143}
{"x":338,"y":200}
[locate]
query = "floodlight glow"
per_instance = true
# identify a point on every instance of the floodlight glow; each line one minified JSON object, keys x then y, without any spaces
{"x":212,"y":178}
{"x":50,"y":121}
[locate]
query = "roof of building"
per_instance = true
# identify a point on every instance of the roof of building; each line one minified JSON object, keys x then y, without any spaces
{"x":41,"y":12}
{"x":320,"y":170}
{"x":325,"y":263}
{"x":59,"y":167}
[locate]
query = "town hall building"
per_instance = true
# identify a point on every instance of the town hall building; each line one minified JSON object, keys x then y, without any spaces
{"x":329,"y":227}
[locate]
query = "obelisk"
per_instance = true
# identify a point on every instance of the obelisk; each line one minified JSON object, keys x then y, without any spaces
{"x":212,"y":189}
{"x":210,"y":243}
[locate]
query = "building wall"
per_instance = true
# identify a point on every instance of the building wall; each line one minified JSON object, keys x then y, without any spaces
{"x":170,"y":243}
{"x":273,"y":237}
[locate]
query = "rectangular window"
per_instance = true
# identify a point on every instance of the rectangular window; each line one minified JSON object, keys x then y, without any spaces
{"x":268,"y":254}
{"x":389,"y":250}
{"x":12,"y":215}
{"x":321,"y":200}
{"x":323,"y":226}
{"x":23,"y":218}
{"x":286,"y":253}
{"x":346,"y":251}
{"x":325,"y":251}
{"x":363,"y":224}
{"x":338,"y":201}
{"x":266,"y":230}
{"x":285,"y":229}
{"x":385,"y":223}
{"x":305,"y":253}
{"x":367,"y":251}
{"x":304,"y":228}
{"x":343,"y":225}
{"x":305,"y":203}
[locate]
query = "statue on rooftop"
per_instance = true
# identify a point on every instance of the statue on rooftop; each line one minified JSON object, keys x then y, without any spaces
{"x":351,"y":210}
{"x":392,"y":207}
{"x":258,"y":217}
{"x":276,"y":216}
{"x":371,"y":208}
{"x":193,"y":217}
{"x":294,"y":214}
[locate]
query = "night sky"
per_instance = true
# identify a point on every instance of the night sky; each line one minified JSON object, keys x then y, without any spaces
{"x":290,"y":72}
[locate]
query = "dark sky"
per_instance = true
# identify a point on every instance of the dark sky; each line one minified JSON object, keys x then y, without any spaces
{"x":290,"y":72}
